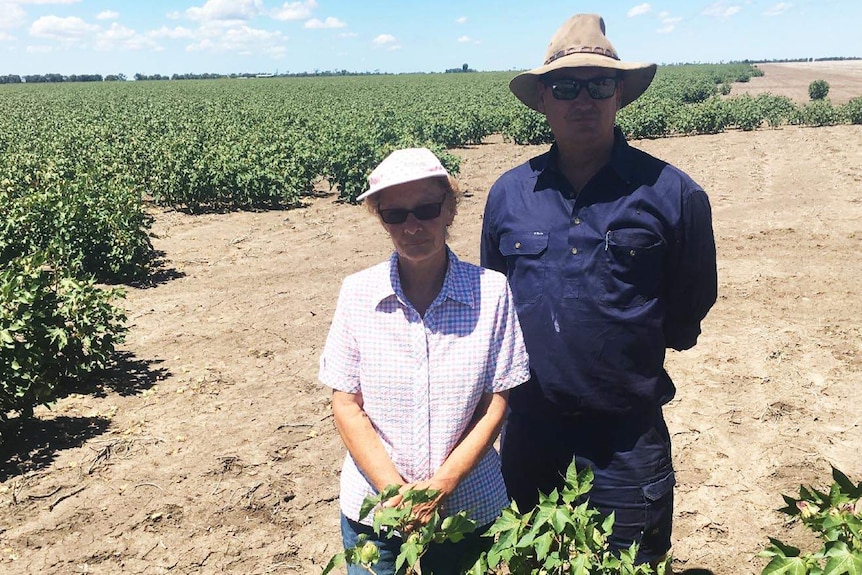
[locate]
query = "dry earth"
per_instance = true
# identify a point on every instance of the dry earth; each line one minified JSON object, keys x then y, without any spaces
{"x":791,"y":79}
{"x":212,"y":449}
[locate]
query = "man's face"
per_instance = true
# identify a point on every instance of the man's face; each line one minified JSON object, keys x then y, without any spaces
{"x":583,"y":120}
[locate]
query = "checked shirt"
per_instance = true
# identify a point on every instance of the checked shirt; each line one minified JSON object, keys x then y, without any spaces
{"x":422,"y":378}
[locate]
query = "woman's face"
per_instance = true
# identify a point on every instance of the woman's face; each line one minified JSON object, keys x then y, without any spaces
{"x":417,"y":240}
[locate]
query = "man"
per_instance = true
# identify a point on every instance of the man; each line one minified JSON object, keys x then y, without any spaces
{"x":611,"y":259}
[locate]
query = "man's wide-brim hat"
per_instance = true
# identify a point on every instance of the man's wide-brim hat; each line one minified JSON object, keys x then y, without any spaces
{"x":581,"y":43}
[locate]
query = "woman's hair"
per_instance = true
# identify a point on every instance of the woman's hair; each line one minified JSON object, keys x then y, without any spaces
{"x":448,"y":185}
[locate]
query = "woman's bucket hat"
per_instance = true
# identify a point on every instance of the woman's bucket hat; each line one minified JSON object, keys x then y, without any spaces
{"x":581,"y":43}
{"x":401,"y":166}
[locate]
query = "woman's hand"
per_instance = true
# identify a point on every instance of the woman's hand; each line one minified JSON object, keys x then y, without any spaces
{"x":423,"y":512}
{"x":476,"y":441}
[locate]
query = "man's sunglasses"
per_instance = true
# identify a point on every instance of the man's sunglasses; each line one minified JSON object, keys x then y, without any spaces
{"x":568,"y":88}
{"x":423,"y":213}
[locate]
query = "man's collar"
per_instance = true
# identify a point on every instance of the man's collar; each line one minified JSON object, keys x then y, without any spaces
{"x":619,"y":161}
{"x":620,"y":156}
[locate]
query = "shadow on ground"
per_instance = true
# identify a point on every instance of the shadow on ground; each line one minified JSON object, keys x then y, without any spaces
{"x":128,"y":376}
{"x":32,"y":444}
{"x":160,"y":274}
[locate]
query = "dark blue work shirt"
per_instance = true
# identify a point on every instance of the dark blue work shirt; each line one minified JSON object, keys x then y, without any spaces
{"x":603,"y":282}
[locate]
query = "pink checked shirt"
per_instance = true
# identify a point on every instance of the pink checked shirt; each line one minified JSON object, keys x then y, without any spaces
{"x":421,"y":378}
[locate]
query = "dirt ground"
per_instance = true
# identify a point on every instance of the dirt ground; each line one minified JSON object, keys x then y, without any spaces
{"x":212,"y":449}
{"x":791,"y":79}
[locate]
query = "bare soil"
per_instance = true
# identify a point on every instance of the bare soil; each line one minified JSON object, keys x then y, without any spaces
{"x":211,"y":448}
{"x":791,"y":79}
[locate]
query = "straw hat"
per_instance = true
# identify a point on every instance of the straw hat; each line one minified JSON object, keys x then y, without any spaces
{"x":401,"y":166}
{"x":581,"y":43}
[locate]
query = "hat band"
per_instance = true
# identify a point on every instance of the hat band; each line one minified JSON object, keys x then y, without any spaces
{"x":582,"y":50}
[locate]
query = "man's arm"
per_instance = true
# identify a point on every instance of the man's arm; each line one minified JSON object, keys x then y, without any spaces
{"x":489,"y":249}
{"x":692,"y":280}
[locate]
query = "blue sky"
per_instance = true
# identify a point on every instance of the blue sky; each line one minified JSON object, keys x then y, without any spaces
{"x":224,"y":36}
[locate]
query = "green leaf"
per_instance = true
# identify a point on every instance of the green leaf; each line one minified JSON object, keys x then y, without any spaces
{"x":508,"y":520}
{"x":527,"y":540}
{"x":409,"y":553}
{"x":389,"y":517}
{"x":480,"y":567}
{"x":786,"y":565}
{"x":370,"y":503}
{"x":841,"y":560}
{"x":560,"y":519}
{"x":544,"y":513}
{"x":782,"y":549}
{"x":852,"y":491}
{"x":336,"y":561}
{"x":543,"y":545}
{"x":455,"y":527}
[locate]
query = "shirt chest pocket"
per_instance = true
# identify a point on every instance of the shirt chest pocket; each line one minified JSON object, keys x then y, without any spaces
{"x":632,"y":270}
{"x":524,"y":253}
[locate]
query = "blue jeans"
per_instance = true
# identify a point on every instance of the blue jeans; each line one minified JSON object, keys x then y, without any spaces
{"x":631,"y":462}
{"x":441,"y":558}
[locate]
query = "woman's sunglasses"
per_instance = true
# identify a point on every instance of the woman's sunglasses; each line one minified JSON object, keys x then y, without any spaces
{"x":568,"y":88}
{"x":423,"y":213}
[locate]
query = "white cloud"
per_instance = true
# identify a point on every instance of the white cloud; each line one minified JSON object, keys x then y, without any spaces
{"x":638,"y":10}
{"x":330,"y":22}
{"x":4,"y":37}
{"x":11,"y":16}
{"x":348,"y":35}
{"x":668,"y":22}
{"x":461,"y":20}
{"x":464,"y":39}
{"x":119,"y":37}
{"x":778,"y":9}
{"x":294,"y":10}
{"x":39,"y":49}
{"x":721,"y":9}
{"x":178,"y":33}
{"x":67,"y":29}
{"x":242,"y":40}
{"x":107,"y":15}
{"x":225,"y":10}
{"x":385,"y":39}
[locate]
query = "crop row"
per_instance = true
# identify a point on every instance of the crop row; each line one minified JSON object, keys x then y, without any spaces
{"x":81,"y":164}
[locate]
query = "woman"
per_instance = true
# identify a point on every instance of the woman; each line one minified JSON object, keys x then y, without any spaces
{"x":421,"y":353}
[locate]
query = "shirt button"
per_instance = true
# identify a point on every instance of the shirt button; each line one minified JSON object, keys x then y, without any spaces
{"x":517,"y":245}
{"x":576,"y":221}
{"x":575,"y":251}
{"x":632,"y":253}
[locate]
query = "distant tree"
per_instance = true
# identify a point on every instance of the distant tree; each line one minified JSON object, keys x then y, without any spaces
{"x":464,"y":67}
{"x":818,"y":89}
